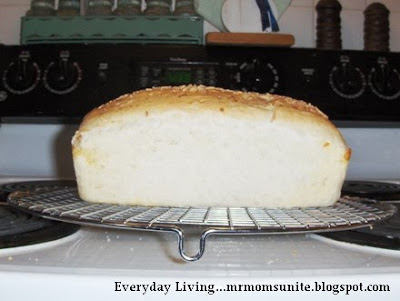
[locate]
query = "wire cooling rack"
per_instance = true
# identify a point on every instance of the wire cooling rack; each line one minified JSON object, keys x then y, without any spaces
{"x":64,"y":204}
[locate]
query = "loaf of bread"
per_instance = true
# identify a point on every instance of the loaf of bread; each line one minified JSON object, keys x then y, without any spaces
{"x":202,"y":146}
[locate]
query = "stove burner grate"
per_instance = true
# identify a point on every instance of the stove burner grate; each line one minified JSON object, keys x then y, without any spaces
{"x":373,"y":190}
{"x":6,"y":189}
{"x":14,"y":222}
{"x":385,"y":234}
{"x":20,"y":229}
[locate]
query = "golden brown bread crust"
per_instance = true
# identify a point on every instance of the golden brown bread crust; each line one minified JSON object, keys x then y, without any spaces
{"x":199,"y":98}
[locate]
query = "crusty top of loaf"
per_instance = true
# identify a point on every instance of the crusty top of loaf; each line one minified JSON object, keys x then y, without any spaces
{"x":200,"y":98}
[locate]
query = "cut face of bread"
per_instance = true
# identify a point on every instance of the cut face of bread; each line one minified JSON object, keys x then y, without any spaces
{"x":200,"y":147}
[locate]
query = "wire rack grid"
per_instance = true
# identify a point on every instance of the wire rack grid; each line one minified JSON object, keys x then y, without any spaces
{"x":64,"y":204}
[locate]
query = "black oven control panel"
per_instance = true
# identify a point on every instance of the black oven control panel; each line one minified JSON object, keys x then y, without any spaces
{"x":67,"y":81}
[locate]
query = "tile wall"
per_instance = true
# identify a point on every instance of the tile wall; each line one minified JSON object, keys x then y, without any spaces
{"x":299,"y":20}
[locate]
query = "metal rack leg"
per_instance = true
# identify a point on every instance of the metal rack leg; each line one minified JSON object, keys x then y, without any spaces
{"x":181,"y":245}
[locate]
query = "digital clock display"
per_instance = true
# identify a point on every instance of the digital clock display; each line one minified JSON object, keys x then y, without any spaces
{"x":176,"y":77}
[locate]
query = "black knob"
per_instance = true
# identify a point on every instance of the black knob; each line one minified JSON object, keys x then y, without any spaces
{"x":258,"y":76}
{"x":347,"y":80}
{"x":385,"y":81}
{"x":62,"y":76}
{"x":21,"y":76}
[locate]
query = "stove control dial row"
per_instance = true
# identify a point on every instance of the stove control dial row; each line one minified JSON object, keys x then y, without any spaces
{"x":22,"y":75}
{"x":62,"y":76}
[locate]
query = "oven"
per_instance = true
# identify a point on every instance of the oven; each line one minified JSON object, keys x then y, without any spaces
{"x":45,"y":91}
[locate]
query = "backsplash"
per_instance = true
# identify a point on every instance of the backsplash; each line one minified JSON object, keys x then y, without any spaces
{"x":299,"y":20}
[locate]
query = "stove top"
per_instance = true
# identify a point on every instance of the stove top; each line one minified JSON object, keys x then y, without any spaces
{"x":89,"y":261}
{"x":20,"y":229}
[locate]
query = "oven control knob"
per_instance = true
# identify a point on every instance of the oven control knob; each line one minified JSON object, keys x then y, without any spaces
{"x":256,"y":75}
{"x":384,"y":81}
{"x":347,"y":80}
{"x":62,"y":76}
{"x":22,"y":75}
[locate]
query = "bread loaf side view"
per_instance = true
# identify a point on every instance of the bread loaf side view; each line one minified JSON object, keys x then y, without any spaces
{"x":202,"y":146}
